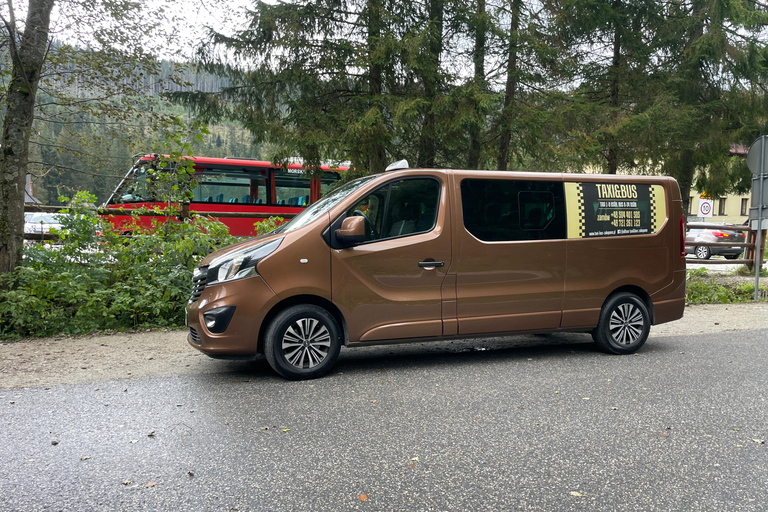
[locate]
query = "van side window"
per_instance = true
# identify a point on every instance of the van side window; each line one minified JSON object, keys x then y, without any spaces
{"x":509,"y":210}
{"x":400,"y":208}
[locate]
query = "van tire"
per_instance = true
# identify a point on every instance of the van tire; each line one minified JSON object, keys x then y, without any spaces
{"x":302,"y":342}
{"x":624,"y":324}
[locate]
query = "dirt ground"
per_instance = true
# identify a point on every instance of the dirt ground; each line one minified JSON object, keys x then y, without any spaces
{"x":124,"y":356}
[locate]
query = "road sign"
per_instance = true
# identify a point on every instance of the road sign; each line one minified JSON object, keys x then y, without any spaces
{"x":757,"y":157}
{"x":705,"y":207}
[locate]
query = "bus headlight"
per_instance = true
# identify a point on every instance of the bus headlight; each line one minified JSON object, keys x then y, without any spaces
{"x":241,"y":263}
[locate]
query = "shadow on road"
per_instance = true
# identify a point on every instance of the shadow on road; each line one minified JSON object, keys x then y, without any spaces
{"x":442,"y":354}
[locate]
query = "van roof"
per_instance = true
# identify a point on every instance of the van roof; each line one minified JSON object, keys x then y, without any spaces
{"x":539,"y":175}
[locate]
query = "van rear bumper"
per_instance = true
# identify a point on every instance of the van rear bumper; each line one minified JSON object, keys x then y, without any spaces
{"x":668,"y":310}
{"x":670,"y":306}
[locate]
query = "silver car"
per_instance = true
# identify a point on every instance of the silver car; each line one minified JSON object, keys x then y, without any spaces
{"x":717,"y":233}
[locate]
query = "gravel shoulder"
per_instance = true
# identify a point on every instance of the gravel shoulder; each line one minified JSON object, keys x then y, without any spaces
{"x":163,"y":353}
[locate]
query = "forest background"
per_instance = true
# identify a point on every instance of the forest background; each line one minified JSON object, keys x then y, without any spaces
{"x":564,"y":85}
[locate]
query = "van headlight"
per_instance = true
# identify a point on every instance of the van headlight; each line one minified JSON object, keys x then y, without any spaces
{"x":241,"y":263}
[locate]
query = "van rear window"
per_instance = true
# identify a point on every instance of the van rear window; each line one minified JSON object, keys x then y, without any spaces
{"x":496,"y":210}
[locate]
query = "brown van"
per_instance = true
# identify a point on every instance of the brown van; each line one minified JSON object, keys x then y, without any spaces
{"x":423,"y":254}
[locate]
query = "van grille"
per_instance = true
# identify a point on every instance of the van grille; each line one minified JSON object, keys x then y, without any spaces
{"x":195,"y":337}
{"x":199,"y":277}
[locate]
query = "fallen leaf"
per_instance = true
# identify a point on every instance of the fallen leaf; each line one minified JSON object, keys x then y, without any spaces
{"x":151,"y":434}
{"x":191,"y":473}
{"x":576,"y":493}
{"x":363,"y":497}
{"x":286,"y":430}
{"x":85,"y":458}
{"x":127,"y":482}
{"x":133,"y":441}
{"x":759,"y":441}
{"x":662,"y":434}
{"x":149,"y":484}
{"x":415,"y":458}
{"x":54,"y":443}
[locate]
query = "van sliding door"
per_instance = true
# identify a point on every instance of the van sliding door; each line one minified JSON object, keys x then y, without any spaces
{"x":510,"y":261}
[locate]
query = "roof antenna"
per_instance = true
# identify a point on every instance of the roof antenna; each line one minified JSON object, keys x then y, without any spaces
{"x":400,"y":164}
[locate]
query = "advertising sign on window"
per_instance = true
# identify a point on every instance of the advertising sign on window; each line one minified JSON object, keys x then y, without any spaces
{"x":611,"y":209}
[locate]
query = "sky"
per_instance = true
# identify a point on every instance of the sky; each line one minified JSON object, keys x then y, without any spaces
{"x":188,"y":20}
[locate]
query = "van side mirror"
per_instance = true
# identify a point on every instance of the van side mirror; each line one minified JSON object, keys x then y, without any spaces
{"x":352,"y":231}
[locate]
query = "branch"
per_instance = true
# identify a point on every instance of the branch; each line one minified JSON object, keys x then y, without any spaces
{"x":78,"y":171}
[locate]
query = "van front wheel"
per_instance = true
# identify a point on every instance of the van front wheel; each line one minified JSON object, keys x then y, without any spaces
{"x":302,"y":342}
{"x":624,"y":324}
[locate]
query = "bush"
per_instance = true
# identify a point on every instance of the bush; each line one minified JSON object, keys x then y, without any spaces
{"x":702,"y":289}
{"x":268,"y":225}
{"x":97,"y":279}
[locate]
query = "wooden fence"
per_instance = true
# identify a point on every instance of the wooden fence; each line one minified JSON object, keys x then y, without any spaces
{"x":748,"y":258}
{"x":145,"y":213}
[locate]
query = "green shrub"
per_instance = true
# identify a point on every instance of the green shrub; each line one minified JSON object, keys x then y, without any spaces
{"x":97,"y":279}
{"x":701,"y":289}
{"x":268,"y":225}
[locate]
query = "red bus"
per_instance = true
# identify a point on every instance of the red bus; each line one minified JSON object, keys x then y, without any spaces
{"x":227,"y":186}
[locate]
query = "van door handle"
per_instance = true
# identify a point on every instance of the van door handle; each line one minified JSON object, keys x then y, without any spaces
{"x":430,"y":264}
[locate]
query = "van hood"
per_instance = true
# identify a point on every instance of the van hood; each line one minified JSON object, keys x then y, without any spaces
{"x":251,"y":242}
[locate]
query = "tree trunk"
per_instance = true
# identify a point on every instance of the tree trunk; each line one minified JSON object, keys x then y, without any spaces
{"x":28,"y":60}
{"x":430,"y":77}
{"x":510,"y":92}
{"x":612,"y":144}
{"x":478,"y":57}
{"x":686,"y":171}
{"x":377,"y":153}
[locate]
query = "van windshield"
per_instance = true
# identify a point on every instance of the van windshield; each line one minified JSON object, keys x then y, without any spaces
{"x":323,"y":205}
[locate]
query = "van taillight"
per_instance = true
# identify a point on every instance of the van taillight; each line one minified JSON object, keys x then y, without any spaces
{"x":682,"y":236}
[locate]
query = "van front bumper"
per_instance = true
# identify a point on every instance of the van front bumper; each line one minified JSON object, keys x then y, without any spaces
{"x":235,"y":311}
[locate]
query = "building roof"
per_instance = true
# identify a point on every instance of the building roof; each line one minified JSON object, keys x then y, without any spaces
{"x":29,"y":197}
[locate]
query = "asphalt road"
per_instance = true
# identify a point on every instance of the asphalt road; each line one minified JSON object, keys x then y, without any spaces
{"x":537,"y":423}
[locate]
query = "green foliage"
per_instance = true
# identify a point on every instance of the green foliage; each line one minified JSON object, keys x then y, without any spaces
{"x":268,"y":225}
{"x":703,"y":289}
{"x":97,"y":279}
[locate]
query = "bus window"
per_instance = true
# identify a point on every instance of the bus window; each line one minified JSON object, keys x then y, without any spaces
{"x":139,"y":188}
{"x":291,"y":188}
{"x":231,"y":187}
{"x":328,"y":181}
